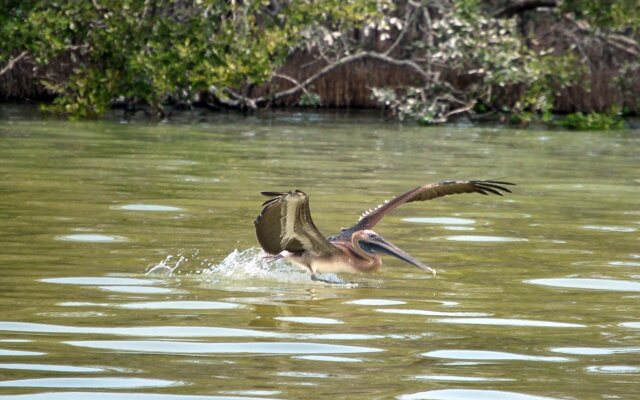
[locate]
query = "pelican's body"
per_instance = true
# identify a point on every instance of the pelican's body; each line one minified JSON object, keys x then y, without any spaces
{"x":348,"y":260}
{"x":284,"y":228}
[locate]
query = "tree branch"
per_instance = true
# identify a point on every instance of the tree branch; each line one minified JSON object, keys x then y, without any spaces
{"x":407,"y":21}
{"x":465,"y":108}
{"x":12,"y":62}
{"x":341,"y":62}
{"x":290,"y":79}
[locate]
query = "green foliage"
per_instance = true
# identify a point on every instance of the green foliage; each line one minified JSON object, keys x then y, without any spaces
{"x":158,"y":52}
{"x":476,"y":54}
{"x":469,"y":43}
{"x":149,"y":52}
{"x":546,"y":74}
{"x":593,"y":121}
{"x":606,"y":14}
{"x":309,"y":99}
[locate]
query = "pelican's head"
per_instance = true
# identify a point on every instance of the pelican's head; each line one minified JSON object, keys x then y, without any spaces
{"x":373,"y":244}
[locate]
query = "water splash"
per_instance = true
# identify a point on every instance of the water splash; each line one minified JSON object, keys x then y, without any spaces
{"x":169,"y":265}
{"x":252,"y":263}
{"x":240,"y":265}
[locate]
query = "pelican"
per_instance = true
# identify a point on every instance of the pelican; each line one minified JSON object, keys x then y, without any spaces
{"x":285,"y":229}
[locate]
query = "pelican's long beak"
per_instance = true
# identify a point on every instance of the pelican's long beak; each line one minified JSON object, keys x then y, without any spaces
{"x":378,"y":244}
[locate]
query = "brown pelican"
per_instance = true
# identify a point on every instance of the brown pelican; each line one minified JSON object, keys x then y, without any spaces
{"x":285,"y":229}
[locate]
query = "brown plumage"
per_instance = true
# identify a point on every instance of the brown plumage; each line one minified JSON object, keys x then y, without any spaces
{"x":285,"y":228}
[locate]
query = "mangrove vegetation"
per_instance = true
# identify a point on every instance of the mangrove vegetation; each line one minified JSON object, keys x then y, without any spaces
{"x":575,"y":63}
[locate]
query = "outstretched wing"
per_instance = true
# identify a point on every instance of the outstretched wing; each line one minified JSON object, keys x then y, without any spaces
{"x":285,"y":224}
{"x":429,"y":192}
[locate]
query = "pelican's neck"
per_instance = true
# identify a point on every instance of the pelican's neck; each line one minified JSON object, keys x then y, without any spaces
{"x":355,"y":244}
{"x":373,"y":258}
{"x":355,"y":259}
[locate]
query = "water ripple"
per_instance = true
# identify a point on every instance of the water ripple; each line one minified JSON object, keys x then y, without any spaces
{"x":101,"y":281}
{"x":49,"y":367}
{"x":150,"y":346}
{"x":175,"y":331}
{"x":489,"y":355}
{"x":431,"y":313}
{"x":147,"y":207}
{"x":440,"y":220}
{"x":595,"y":351}
{"x":470,"y":394}
{"x":478,"y":238}
{"x":613,"y":369}
{"x":146,"y":331}
{"x":588,"y":283}
{"x":97,"y":383}
{"x":119,"y":396}
{"x":180,"y":305}
{"x":454,"y":378}
{"x":91,"y":238}
{"x":138,"y":289}
{"x":376,"y":302}
{"x":328,"y":359}
{"x":304,"y":375}
{"x":603,"y":228}
{"x":310,"y":320}
{"x":12,"y":353}
{"x":624,"y":263}
{"x":509,"y":322}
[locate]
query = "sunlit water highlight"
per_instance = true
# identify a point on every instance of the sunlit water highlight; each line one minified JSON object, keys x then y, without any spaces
{"x":470,"y":394}
{"x":91,"y":238}
{"x":148,"y":207}
{"x":485,"y":355}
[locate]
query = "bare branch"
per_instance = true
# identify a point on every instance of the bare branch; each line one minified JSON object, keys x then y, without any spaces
{"x":97,"y":6}
{"x":12,"y":62}
{"x":341,"y":62}
{"x":243,"y":102}
{"x":408,"y":18}
{"x":620,"y":42}
{"x":290,"y":79}
{"x":466,"y":108}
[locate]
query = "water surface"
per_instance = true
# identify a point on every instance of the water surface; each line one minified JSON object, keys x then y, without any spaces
{"x":129,"y":267}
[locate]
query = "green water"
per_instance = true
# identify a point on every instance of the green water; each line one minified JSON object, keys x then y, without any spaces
{"x":537,"y":293}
